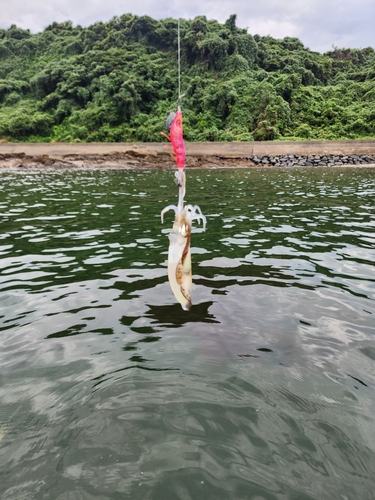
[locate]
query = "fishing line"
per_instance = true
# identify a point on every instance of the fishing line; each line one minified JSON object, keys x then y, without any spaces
{"x":179,"y":64}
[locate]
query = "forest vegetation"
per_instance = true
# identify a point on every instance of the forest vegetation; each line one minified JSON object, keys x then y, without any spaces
{"x":117,"y":81}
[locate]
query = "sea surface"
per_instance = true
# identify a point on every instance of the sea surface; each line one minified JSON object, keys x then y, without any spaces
{"x":264,"y":390}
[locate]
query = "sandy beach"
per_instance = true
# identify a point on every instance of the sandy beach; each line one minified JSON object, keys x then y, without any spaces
{"x":200,"y":155}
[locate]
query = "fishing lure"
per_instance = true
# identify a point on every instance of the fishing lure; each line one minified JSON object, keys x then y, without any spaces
{"x":175,"y":137}
{"x":179,"y":255}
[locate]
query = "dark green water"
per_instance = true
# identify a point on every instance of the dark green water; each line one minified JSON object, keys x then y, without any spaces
{"x":264,"y":390}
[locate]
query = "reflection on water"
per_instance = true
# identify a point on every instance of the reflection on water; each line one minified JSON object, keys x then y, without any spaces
{"x":265,"y":389}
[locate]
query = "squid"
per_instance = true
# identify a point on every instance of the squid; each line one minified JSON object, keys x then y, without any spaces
{"x":179,"y":255}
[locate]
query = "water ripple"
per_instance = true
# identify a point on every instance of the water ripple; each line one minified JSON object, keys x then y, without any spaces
{"x":263,"y":390}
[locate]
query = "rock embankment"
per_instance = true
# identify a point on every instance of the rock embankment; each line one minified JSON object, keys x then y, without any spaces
{"x":291,"y":160}
{"x":160,"y":158}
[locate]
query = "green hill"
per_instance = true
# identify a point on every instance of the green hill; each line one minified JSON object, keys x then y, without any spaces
{"x":117,"y":81}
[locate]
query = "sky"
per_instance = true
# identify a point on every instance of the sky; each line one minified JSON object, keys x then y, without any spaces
{"x":319,"y":24}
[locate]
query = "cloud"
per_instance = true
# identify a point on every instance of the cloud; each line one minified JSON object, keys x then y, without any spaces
{"x":318,"y":23}
{"x":274,"y":28}
{"x":340,"y":23}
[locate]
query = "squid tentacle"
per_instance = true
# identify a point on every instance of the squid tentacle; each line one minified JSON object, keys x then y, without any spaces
{"x":195,"y":213}
{"x":166,"y":209}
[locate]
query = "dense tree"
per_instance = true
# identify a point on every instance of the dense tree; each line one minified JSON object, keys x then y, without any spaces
{"x":117,"y":81}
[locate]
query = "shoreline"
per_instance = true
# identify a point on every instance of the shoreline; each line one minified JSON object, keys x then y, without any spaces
{"x":198,"y":155}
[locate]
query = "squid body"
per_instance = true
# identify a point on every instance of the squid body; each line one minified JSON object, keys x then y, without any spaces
{"x":179,"y":256}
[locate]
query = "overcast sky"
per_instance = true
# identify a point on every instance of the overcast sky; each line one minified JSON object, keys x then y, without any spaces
{"x":319,"y":24}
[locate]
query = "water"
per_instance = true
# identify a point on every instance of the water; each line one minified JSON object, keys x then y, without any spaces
{"x":264,"y":390}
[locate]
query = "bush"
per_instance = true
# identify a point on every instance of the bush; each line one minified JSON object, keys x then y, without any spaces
{"x":118,"y":81}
